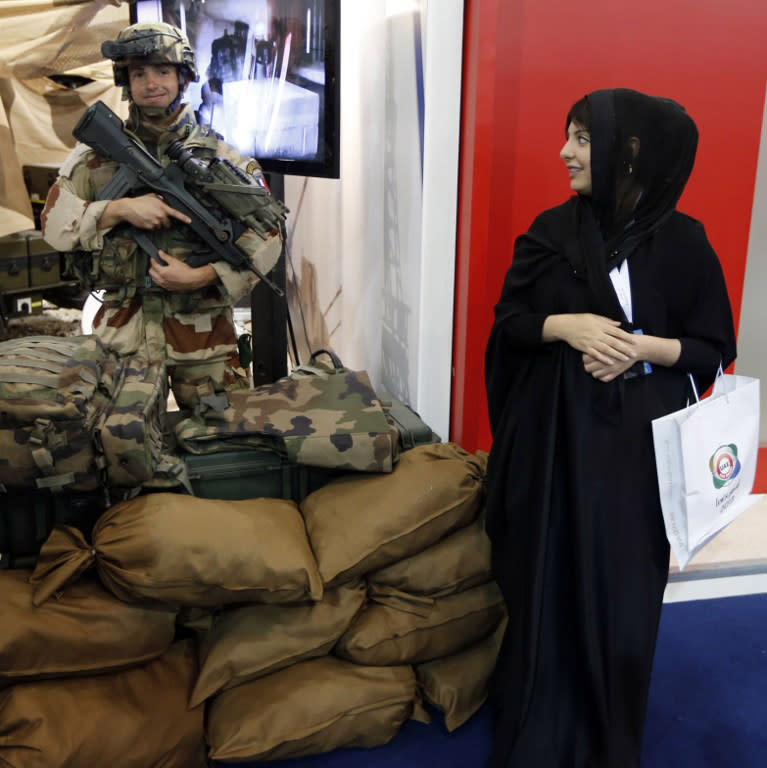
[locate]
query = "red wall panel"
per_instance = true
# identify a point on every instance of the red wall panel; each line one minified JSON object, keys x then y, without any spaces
{"x":525,"y":63}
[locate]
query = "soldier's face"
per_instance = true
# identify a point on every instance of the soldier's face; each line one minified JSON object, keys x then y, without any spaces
{"x":153,"y":85}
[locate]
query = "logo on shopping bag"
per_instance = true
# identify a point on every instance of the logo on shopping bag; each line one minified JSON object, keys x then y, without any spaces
{"x":724,"y":465}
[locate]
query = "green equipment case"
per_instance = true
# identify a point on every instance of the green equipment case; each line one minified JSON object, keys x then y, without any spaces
{"x":28,"y":517}
{"x":251,"y":474}
{"x":14,"y":275}
{"x":44,"y":261}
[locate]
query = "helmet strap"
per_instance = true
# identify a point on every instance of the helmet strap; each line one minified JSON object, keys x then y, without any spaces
{"x":182,"y":82}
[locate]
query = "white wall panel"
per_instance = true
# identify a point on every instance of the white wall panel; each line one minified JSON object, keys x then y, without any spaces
{"x":752,"y":333}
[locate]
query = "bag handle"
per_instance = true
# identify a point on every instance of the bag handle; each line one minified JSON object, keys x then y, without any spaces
{"x":694,"y":388}
{"x":719,"y":374}
{"x":334,"y":359}
{"x":315,"y":368}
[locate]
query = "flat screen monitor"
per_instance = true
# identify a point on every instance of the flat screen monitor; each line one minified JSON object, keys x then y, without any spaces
{"x":269,"y":76}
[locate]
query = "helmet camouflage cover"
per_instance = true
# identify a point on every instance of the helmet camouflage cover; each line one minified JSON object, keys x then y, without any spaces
{"x":154,"y":43}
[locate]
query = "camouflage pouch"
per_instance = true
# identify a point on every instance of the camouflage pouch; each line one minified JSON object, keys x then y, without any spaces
{"x":130,"y":432}
{"x":319,"y":415}
{"x":241,"y":196}
{"x":114,"y":268}
{"x":117,"y":264}
{"x":53,"y":392}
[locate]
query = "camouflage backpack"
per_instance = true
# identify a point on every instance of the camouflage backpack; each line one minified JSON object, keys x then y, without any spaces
{"x":320,"y":415}
{"x":131,"y":433}
{"x":74,"y":417}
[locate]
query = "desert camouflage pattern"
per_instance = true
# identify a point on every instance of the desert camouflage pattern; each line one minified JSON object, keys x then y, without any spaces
{"x":193,"y":332}
{"x":199,"y":348}
{"x":130,"y":434}
{"x":329,"y":420}
{"x":161,"y":43}
{"x":53,"y":393}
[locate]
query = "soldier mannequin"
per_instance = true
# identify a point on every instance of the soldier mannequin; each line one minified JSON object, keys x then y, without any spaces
{"x":172,"y":311}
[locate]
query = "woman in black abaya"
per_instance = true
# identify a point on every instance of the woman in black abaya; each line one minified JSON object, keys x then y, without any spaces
{"x":611,"y":299}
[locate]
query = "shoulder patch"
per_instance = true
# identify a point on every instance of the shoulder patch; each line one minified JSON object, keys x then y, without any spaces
{"x":76,"y":156}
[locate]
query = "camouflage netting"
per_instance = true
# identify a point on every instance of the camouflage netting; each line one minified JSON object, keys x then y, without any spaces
{"x":44,"y":37}
{"x":40,"y":38}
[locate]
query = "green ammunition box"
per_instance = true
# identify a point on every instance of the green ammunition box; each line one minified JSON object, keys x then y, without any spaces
{"x":14,"y":275}
{"x":27,"y":518}
{"x":252,"y":474}
{"x":44,"y":261}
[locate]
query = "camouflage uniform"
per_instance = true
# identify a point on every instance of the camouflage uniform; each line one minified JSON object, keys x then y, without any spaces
{"x":192,"y":331}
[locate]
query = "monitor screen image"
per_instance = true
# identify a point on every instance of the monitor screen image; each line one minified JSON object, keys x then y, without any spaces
{"x":268,"y":76}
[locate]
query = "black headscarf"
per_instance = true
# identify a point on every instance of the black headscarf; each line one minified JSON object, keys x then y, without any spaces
{"x":633,"y":190}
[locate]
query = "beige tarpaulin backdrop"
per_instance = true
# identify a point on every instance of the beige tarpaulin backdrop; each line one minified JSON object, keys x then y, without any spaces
{"x":39,"y":38}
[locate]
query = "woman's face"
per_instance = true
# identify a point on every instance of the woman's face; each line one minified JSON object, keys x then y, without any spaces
{"x":576,"y":155}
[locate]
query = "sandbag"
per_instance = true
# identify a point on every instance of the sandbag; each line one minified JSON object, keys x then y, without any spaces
{"x":182,"y":550}
{"x":318,"y":416}
{"x":361,"y":524}
{"x":456,"y":563}
{"x":309,"y":708}
{"x":393,"y":634}
{"x":85,"y":631}
{"x":255,"y":640}
{"x":53,"y":393}
{"x":458,"y":685}
{"x":132,"y":719}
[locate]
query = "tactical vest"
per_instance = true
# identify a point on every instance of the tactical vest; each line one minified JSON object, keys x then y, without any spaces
{"x":121,"y":267}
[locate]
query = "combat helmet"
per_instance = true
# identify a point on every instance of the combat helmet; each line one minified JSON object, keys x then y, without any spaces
{"x":156,"y":43}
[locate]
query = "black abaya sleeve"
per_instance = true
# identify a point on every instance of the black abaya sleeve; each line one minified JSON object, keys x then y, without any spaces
{"x":518,"y":325}
{"x":708,"y":337}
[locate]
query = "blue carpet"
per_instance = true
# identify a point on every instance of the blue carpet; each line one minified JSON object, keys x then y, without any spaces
{"x":707,"y":707}
{"x":708,"y":698}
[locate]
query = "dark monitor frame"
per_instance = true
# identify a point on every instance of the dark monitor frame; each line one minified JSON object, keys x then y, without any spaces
{"x":327,"y":164}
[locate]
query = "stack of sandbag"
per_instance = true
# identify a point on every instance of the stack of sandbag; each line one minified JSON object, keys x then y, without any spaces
{"x":96,"y":622}
{"x":315,"y":627}
{"x":87,"y":679}
{"x":415,"y":613}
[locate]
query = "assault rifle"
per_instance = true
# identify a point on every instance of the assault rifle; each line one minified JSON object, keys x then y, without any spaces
{"x":200,"y":190}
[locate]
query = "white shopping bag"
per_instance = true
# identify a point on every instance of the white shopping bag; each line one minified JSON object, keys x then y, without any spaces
{"x":705,"y":458}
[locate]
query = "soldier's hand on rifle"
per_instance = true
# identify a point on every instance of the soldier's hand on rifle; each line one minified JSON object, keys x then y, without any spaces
{"x":148,"y":211}
{"x":177,"y":275}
